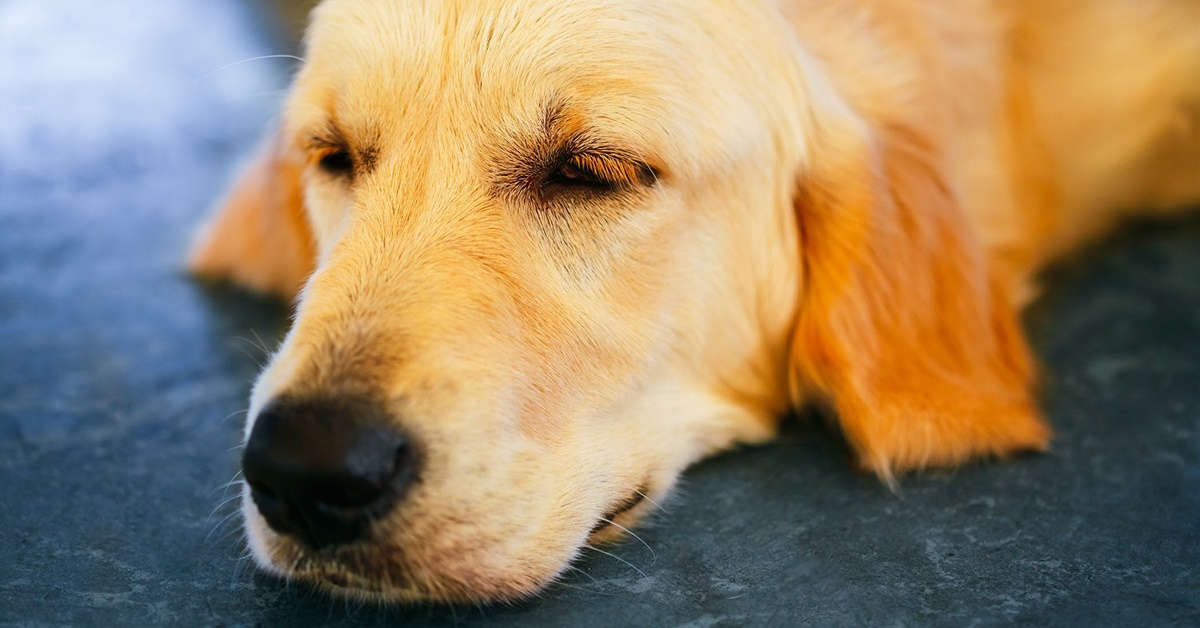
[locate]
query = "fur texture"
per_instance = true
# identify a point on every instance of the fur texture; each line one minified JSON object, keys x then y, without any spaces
{"x":782,"y":202}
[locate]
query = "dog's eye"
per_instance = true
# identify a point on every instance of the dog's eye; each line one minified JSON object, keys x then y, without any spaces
{"x":596,"y":175}
{"x":570,"y":174}
{"x":338,"y":163}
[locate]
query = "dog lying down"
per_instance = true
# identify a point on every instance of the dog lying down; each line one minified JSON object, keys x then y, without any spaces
{"x":548,"y":253}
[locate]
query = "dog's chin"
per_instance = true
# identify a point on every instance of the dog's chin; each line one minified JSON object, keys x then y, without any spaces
{"x":375,"y":571}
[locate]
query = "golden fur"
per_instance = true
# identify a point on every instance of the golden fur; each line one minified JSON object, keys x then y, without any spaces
{"x":833,"y":201}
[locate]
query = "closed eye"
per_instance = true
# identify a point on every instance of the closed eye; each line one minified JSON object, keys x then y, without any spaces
{"x":573,"y":174}
{"x":332,"y":155}
{"x":595,"y":174}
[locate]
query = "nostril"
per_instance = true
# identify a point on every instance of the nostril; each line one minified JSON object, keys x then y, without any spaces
{"x":322,"y":470}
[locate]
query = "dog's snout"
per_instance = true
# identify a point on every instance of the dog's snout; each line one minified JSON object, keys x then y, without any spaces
{"x":322,"y":470}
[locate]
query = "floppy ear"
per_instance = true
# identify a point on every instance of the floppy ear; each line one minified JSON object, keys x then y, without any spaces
{"x":260,"y":238}
{"x":902,"y":326}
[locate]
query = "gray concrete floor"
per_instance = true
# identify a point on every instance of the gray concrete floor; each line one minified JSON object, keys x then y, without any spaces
{"x":121,"y":382}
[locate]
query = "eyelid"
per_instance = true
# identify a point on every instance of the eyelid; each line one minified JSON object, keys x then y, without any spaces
{"x":325,"y":143}
{"x":325,"y":138}
{"x":318,"y":155}
{"x":614,"y":170}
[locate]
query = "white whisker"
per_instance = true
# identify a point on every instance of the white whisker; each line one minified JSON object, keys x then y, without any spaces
{"x":589,"y":576}
{"x":261,"y":344}
{"x":234,"y":480}
{"x":241,"y":567}
{"x":225,"y":537}
{"x":571,"y":586}
{"x":219,"y":506}
{"x":653,"y":554}
{"x":246,"y":353}
{"x":235,"y":413}
{"x":237,"y":63}
{"x":647,"y":498}
{"x":631,"y":565}
{"x":220,"y":524}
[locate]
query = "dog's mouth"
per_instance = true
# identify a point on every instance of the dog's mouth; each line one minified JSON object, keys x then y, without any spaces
{"x":342,"y":580}
{"x":374,"y":570}
{"x":367,"y":572}
{"x":608,"y":523}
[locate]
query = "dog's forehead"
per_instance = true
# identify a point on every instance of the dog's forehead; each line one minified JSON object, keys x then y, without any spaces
{"x":514,"y":34}
{"x":637,"y":66}
{"x":421,"y":51}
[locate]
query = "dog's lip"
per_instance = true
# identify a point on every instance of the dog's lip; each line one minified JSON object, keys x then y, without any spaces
{"x":337,"y":580}
{"x":350,"y":582}
{"x":345,"y":571}
{"x":629,"y":503}
{"x":348,"y":577}
{"x":354,"y":580}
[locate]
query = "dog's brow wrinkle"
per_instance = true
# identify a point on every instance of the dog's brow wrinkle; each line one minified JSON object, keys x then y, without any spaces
{"x":552,"y":116}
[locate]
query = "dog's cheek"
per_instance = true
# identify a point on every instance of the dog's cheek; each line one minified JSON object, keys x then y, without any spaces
{"x":328,"y":207}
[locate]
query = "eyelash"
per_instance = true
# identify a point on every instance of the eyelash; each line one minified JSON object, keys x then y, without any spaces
{"x":586,"y":175}
{"x":569,"y":174}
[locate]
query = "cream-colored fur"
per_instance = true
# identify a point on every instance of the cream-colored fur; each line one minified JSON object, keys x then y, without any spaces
{"x":843,"y":201}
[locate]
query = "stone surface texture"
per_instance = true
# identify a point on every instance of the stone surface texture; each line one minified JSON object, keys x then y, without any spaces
{"x":121,"y":382}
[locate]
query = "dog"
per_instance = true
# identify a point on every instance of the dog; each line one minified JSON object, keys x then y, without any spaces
{"x":548,"y":253}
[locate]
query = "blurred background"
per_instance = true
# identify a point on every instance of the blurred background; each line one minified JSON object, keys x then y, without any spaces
{"x":123,"y":382}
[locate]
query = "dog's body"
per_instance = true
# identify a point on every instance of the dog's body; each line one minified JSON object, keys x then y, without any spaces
{"x":564,"y":249}
{"x":1059,"y":117}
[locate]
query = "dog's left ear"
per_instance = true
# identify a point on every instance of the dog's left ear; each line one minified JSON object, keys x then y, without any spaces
{"x":260,"y":236}
{"x":902,"y":325}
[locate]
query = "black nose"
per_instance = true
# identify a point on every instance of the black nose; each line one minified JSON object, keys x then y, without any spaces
{"x":321,"y":470}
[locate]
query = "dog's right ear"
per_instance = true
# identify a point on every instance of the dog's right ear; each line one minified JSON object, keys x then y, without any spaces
{"x":260,"y":237}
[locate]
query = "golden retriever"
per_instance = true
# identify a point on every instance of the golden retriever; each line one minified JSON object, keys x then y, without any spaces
{"x":548,"y":253}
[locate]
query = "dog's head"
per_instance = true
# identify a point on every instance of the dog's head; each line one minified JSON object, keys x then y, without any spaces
{"x":559,"y":251}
